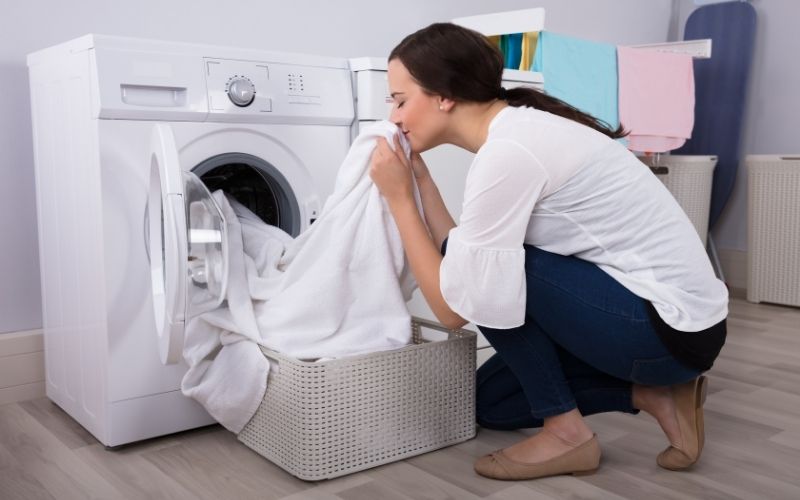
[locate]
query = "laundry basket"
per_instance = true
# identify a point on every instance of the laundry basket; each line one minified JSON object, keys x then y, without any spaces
{"x":689,"y":179}
{"x":327,"y":419}
{"x":773,"y":229}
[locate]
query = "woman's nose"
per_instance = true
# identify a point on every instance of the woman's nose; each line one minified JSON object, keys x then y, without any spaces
{"x":394,"y":116}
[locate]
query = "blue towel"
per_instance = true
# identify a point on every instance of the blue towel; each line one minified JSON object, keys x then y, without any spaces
{"x":581,"y":73}
{"x":513,"y":50}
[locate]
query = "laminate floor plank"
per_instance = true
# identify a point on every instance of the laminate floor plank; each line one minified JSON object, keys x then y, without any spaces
{"x":215,"y":465}
{"x":752,"y":448}
{"x":328,"y":490}
{"x":41,"y":455}
{"x":67,"y":430}
{"x":18,"y":484}
{"x":133,"y":475}
{"x":566,"y":487}
{"x":417,"y":484}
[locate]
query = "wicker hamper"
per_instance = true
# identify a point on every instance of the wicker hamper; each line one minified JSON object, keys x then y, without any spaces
{"x":689,"y":179}
{"x":331,"y":418}
{"x":773,"y":229}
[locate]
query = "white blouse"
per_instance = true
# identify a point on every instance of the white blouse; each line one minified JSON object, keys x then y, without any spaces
{"x":550,"y":182}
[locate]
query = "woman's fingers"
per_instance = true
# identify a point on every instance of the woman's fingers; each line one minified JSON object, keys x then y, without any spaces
{"x":398,"y":150}
{"x":384,"y":153}
{"x":383,"y":156}
{"x":388,"y":172}
{"x":381,"y":152}
{"x":383,"y":146}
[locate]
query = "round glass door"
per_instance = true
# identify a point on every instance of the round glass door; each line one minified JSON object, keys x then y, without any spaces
{"x":207,"y":259}
{"x":187,"y":242}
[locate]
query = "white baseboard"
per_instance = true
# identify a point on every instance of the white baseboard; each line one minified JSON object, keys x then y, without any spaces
{"x":21,"y":366}
{"x":734,"y":266}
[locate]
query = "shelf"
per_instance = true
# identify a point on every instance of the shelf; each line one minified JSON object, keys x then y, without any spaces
{"x":698,"y":49}
{"x":504,"y":23}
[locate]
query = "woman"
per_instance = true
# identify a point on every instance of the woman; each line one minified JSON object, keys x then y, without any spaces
{"x":576,"y":263}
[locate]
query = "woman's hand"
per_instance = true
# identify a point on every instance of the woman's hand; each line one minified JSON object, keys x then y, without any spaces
{"x":391,"y":171}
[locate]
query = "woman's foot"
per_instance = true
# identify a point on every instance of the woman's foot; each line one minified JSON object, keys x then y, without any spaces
{"x":657,"y":401}
{"x":565,"y":445}
{"x":679,"y":411}
{"x":559,"y":435}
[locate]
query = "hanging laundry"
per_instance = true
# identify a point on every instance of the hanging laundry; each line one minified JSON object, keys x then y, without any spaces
{"x":513,"y":50}
{"x":528,"y":50}
{"x":581,"y":73}
{"x":311,"y":298}
{"x":656,"y":98}
{"x":503,"y":46}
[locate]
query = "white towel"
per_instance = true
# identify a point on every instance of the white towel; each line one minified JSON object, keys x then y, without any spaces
{"x":338,"y":289}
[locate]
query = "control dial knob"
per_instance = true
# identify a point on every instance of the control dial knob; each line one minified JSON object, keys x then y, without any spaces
{"x":241,"y":91}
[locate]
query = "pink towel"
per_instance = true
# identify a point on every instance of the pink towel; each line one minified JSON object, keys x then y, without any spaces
{"x":656,"y":98}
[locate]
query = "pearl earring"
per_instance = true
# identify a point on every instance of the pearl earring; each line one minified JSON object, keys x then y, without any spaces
{"x":441,"y":108}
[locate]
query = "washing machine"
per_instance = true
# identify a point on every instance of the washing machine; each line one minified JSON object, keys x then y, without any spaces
{"x":131,"y":136}
{"x":448,"y":164}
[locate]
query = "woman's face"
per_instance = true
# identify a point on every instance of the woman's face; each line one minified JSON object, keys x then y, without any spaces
{"x":415,"y":112}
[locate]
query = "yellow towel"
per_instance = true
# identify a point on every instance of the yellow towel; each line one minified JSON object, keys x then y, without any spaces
{"x":529,"y":41}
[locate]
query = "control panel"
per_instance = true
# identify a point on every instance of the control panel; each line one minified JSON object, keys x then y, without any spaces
{"x":237,"y":85}
{"x":253,"y":91}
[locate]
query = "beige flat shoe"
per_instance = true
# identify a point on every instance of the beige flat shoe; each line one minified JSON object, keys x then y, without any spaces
{"x":689,"y":398}
{"x":581,"y":460}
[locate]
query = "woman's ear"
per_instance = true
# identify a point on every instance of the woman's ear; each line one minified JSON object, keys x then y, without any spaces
{"x":445,"y":104}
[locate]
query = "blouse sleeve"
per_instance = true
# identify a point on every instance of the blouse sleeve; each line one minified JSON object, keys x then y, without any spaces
{"x":482,"y":275}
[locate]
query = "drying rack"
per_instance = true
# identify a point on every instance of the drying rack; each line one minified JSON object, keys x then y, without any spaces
{"x":532,"y":20}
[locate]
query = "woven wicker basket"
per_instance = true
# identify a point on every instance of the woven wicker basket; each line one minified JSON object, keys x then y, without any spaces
{"x":331,"y":418}
{"x":773,"y":253}
{"x":689,"y":179}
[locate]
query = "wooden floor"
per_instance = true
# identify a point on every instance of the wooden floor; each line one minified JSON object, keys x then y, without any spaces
{"x":752,"y":447}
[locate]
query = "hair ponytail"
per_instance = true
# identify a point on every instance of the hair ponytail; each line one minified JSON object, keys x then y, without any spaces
{"x":461,"y":64}
{"x":533,"y":98}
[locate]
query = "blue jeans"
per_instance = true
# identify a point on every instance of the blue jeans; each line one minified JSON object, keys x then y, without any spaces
{"x":585,"y":340}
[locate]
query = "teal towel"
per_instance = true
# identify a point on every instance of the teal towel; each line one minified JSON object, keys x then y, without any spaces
{"x":581,"y":73}
{"x":513,"y":50}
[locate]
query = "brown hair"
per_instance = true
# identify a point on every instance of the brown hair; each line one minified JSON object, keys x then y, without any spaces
{"x":463,"y":65}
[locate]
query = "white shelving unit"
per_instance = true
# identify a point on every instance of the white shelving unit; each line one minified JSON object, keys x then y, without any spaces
{"x":698,"y":49}
{"x":503,"y":23}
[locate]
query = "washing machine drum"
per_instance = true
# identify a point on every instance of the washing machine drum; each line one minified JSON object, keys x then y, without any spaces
{"x":256,"y":184}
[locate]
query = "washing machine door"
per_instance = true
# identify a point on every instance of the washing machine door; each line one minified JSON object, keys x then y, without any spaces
{"x":188,"y":245}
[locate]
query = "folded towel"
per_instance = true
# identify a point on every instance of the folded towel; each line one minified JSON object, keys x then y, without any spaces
{"x":656,"y":98}
{"x":513,"y":50}
{"x":311,"y":297}
{"x":581,"y":73}
{"x":528,"y":50}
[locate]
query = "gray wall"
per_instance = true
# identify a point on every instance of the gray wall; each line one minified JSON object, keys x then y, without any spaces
{"x":772,"y":121}
{"x":346,"y":28}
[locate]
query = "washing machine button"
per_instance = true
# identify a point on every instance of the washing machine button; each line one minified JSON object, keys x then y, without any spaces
{"x":241,"y":91}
